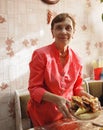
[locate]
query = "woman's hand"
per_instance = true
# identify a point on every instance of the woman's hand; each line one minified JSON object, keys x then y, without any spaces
{"x":84,"y":93}
{"x":62,"y":104}
{"x":96,"y":105}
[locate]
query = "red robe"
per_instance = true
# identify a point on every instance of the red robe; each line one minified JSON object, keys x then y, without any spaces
{"x":48,"y":74}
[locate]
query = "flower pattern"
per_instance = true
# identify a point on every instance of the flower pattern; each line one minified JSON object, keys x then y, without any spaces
{"x":2,"y":20}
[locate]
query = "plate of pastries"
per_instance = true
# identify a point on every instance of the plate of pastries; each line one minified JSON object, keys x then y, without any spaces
{"x":84,"y":108}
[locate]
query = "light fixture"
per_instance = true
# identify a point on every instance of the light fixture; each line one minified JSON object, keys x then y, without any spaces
{"x":50,"y":1}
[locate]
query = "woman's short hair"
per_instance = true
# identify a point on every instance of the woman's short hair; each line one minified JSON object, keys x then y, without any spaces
{"x":61,"y":17}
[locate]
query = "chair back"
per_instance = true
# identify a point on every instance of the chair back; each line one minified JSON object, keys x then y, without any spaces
{"x":22,"y":120}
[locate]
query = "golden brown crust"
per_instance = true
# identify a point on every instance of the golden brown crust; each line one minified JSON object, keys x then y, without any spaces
{"x":84,"y":102}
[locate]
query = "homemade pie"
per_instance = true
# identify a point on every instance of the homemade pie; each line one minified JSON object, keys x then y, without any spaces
{"x":85,"y":108}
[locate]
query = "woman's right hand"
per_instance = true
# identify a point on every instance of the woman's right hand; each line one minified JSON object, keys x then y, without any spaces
{"x":62,"y":104}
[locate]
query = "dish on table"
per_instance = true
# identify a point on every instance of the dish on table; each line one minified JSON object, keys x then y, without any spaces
{"x":83,"y":108}
{"x":86,"y":115}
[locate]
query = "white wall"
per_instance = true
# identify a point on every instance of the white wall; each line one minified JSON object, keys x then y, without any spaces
{"x":25,"y":28}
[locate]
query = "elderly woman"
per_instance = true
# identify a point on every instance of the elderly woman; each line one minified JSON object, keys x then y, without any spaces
{"x":55,"y":75}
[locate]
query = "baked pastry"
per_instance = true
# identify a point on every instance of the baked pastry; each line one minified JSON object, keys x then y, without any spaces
{"x":84,"y":107}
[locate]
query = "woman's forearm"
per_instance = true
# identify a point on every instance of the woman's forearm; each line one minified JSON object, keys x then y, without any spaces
{"x":61,"y":103}
{"x":50,"y":97}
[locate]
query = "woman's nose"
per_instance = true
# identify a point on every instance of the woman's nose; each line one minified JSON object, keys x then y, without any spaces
{"x":63,"y":30}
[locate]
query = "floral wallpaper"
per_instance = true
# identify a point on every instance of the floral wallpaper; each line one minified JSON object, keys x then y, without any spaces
{"x":25,"y":26}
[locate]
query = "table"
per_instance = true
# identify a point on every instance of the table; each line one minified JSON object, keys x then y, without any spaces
{"x":75,"y":124}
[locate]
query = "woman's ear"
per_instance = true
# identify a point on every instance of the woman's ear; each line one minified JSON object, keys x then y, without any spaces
{"x":52,"y":33}
{"x":74,"y":31}
{"x":73,"y":34}
{"x":52,"y":36}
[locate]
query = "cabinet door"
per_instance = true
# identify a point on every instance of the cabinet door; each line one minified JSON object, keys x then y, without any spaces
{"x":95,"y":88}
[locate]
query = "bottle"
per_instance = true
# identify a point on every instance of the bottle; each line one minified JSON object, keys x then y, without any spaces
{"x":101,"y":75}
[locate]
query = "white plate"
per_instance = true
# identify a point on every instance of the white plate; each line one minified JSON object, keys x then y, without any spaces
{"x":87,"y":115}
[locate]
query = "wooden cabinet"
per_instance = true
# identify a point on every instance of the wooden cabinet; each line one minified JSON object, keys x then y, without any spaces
{"x":96,"y":87}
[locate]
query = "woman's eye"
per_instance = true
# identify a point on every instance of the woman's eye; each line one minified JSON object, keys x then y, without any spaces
{"x":59,"y":28}
{"x":68,"y":28}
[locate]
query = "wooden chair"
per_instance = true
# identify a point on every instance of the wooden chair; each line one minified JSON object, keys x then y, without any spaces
{"x":22,"y":120}
{"x":85,"y":85}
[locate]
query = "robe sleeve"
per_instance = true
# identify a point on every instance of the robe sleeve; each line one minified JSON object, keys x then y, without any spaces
{"x":78,"y":84}
{"x":36,"y":78}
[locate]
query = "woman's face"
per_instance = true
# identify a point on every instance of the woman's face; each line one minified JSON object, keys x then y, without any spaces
{"x":63,"y":31}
